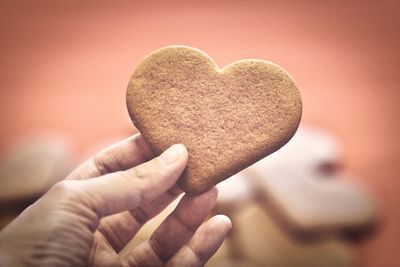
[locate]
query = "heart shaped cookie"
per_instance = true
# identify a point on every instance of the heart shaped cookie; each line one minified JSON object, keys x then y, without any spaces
{"x":227,"y":118}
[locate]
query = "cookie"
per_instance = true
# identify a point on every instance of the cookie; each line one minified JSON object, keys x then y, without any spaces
{"x":227,"y":118}
{"x":306,"y":196}
{"x":32,"y":165}
{"x":263,"y":242}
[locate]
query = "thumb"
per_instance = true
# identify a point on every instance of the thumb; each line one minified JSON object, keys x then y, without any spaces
{"x":124,"y":190}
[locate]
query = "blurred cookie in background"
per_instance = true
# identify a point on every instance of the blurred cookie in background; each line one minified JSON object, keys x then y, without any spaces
{"x":296,"y":195}
{"x":308,"y":191}
{"x":264,"y":243}
{"x":29,"y":168}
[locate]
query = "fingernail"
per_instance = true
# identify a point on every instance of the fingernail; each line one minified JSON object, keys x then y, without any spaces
{"x":172,"y":154}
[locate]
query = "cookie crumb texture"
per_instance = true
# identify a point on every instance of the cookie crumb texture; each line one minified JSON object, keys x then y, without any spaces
{"x":227,"y":118}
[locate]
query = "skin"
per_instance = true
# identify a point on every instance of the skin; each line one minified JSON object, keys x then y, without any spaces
{"x":89,"y":217}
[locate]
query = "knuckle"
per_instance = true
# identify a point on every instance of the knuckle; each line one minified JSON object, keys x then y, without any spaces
{"x":66,"y":189}
{"x":147,"y":170}
{"x":63,"y":186}
{"x":140,"y":172}
{"x":100,"y":164}
{"x":68,"y":197}
{"x":140,"y":215}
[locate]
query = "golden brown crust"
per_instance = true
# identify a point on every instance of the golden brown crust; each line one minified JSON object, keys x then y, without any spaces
{"x":227,"y":118}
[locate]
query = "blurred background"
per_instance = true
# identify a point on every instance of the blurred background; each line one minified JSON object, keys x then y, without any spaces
{"x":65,"y":65}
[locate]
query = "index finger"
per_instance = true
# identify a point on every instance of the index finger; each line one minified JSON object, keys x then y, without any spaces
{"x":120,"y":156}
{"x":125,"y":190}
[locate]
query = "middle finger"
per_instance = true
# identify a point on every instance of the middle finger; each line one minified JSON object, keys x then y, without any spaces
{"x":118,"y":229}
{"x":175,"y":231}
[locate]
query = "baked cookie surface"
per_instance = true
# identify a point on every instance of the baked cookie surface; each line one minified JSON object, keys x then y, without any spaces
{"x":228,"y":118}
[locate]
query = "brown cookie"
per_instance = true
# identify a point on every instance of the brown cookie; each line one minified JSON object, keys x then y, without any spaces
{"x":308,"y":193}
{"x":227,"y":118}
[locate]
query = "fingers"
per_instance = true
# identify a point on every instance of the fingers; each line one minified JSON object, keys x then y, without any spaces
{"x":118,"y":229}
{"x":118,"y":157}
{"x":204,"y":243}
{"x":175,"y":231}
{"x":124,"y":190}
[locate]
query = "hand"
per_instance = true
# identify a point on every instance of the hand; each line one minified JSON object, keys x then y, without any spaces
{"x":89,"y":217}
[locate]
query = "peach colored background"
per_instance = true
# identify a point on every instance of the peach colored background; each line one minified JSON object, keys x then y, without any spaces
{"x":64,"y":65}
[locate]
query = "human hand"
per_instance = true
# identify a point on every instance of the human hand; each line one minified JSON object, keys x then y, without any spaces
{"x":89,"y":217}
